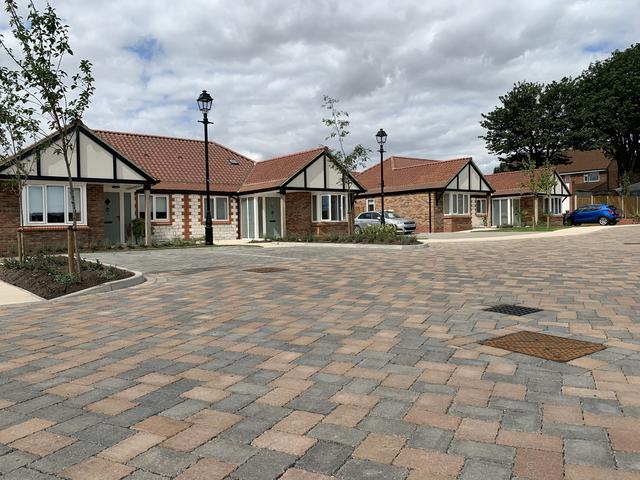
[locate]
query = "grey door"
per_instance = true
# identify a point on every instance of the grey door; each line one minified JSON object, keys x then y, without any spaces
{"x":273,"y":230}
{"x":112,"y":217}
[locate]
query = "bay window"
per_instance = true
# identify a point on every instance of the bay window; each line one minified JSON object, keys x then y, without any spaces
{"x":456,"y":203}
{"x":159,"y":207}
{"x":51,"y":204}
{"x":555,"y":208}
{"x":328,"y":208}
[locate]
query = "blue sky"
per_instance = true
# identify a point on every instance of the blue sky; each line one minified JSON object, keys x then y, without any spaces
{"x":422,"y":70}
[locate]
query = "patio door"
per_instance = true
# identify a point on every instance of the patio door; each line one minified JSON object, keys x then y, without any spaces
{"x":248,"y":214}
{"x":273,"y":228}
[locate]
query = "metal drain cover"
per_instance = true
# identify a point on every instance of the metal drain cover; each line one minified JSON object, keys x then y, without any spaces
{"x":266,"y":269}
{"x":545,"y":346}
{"x":512,"y":310}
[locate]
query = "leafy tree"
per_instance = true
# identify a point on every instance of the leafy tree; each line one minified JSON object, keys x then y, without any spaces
{"x":17,"y":126}
{"x":540,"y":182}
{"x":609,"y":95}
{"x":338,"y":124}
{"x":546,"y":184}
{"x":37,"y":76}
{"x":534,"y":121}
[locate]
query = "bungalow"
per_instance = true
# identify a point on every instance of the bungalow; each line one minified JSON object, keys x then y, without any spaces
{"x":512,"y":203}
{"x":440,"y":195}
{"x":122,"y":176}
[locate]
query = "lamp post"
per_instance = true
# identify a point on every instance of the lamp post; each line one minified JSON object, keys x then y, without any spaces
{"x":204,"y":104}
{"x":381,"y":137}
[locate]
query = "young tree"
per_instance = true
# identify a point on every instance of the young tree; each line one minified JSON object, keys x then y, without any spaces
{"x":17,"y":126}
{"x":534,"y":121}
{"x":37,"y":75}
{"x":338,"y":124}
{"x":609,"y":94}
{"x":546,"y":184}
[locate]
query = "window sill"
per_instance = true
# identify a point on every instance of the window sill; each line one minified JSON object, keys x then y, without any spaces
{"x":457,"y":215}
{"x":481,"y":214}
{"x":35,"y":228}
{"x":321,"y":222}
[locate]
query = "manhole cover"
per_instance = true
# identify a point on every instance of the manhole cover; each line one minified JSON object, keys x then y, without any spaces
{"x":266,"y":269}
{"x":544,"y":346}
{"x":512,"y":310}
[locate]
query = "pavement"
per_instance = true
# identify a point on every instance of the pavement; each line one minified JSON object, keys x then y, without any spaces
{"x":482,"y":235}
{"x":10,"y":294}
{"x":346,"y":365}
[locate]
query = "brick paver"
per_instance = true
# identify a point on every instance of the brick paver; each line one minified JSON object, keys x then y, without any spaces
{"x":352,"y":363}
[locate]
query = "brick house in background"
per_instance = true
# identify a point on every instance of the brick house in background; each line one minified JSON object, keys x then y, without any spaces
{"x":587,"y":173}
{"x":299,"y":194}
{"x":513,"y":204}
{"x":440,"y":195}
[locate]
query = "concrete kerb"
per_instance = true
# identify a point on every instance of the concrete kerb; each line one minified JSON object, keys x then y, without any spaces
{"x":136,"y":279}
{"x":380,"y":246}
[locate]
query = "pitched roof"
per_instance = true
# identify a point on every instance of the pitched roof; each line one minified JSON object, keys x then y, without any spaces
{"x":510,"y":183}
{"x":179,"y":163}
{"x":408,"y":174}
{"x":276,"y":171}
{"x":583,"y":161}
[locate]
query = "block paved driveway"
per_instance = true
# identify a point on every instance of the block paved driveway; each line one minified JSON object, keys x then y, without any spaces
{"x":352,"y":364}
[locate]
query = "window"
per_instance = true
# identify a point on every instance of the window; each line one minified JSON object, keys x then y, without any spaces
{"x":556,"y":206}
{"x":566,"y":179}
{"x":456,"y":203}
{"x":46,"y":204}
{"x":591,"y":177}
{"x":219,"y":207}
{"x":371,"y":205}
{"x":159,"y":207}
{"x":328,"y":208}
{"x":481,"y":206}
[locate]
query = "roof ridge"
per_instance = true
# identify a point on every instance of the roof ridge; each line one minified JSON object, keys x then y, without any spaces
{"x":169,"y":137}
{"x":291,"y":154}
{"x":433,"y":162}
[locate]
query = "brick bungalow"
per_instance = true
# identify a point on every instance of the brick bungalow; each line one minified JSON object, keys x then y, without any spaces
{"x":513,"y":204}
{"x":440,"y":195}
{"x":123,"y":176}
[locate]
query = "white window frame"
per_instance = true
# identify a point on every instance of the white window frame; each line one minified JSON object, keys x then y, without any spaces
{"x":453,"y":209}
{"x":153,"y":205}
{"x":556,"y":206}
{"x":316,"y":215}
{"x":371,"y":205}
{"x":482,"y":201}
{"x":588,"y":175}
{"x":214,"y":209}
{"x":67,"y":204}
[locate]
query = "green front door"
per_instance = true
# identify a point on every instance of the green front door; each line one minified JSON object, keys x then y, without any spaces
{"x":273,"y":230}
{"x":111,"y":218}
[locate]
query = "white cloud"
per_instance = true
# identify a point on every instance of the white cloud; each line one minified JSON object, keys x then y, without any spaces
{"x":424,"y":71}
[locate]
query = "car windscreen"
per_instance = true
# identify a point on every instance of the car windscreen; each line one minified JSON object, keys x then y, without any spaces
{"x":390,"y":215}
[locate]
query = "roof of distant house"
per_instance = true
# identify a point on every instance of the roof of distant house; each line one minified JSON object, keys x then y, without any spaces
{"x":411,"y":174}
{"x":579,"y":161}
{"x":510,"y":183}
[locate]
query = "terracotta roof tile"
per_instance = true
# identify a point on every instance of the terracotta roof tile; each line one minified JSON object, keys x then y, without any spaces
{"x":507,"y":183}
{"x":406,"y":174}
{"x":584,"y":160}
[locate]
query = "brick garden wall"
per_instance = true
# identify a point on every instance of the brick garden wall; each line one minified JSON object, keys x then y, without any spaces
{"x":50,"y":237}
{"x":527,"y":209}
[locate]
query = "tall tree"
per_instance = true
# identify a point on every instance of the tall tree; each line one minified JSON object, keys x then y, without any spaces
{"x":37,"y":75}
{"x":533,"y":121}
{"x":609,"y":95}
{"x":17,"y":127}
{"x":338,"y":123}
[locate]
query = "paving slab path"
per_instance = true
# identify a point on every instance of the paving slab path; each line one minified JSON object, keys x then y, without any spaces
{"x":347,"y":364}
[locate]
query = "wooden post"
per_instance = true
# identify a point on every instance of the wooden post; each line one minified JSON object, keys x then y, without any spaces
{"x":147,"y":217}
{"x":20,"y":246}
{"x":70,"y":259}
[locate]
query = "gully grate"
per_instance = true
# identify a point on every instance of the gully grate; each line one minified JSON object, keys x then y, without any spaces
{"x":266,"y":269}
{"x":512,"y":310}
{"x":545,"y":346}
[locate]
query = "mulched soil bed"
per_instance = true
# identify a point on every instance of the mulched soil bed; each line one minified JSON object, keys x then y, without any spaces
{"x":43,"y":284}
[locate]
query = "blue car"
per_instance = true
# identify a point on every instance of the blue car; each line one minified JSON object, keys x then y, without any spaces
{"x":601,"y":213}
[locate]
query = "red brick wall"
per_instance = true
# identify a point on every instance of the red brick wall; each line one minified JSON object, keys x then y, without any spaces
{"x":527,"y":210}
{"x":456,"y":224}
{"x":298,"y":217}
{"x":50,"y":237}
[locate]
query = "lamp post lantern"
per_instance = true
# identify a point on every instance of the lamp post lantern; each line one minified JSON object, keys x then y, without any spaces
{"x":204,"y":105}
{"x":381,"y":138}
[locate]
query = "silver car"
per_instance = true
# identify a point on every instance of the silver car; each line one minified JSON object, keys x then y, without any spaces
{"x":403,"y":225}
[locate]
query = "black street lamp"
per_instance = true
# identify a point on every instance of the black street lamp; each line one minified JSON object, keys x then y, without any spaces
{"x":381,"y":137}
{"x":204,"y":104}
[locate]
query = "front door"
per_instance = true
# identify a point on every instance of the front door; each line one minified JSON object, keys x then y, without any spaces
{"x":272,"y":205}
{"x":111,"y":218}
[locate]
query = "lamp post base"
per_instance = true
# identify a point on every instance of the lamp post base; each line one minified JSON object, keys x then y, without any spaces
{"x":208,"y":235}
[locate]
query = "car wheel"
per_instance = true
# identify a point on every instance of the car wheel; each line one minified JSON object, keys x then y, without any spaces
{"x":603,"y":221}
{"x":357,"y":229}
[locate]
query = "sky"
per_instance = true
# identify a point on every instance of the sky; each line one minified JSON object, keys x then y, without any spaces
{"x":424,"y":71}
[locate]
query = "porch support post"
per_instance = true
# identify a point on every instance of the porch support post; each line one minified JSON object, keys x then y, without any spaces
{"x":147,"y":216}
{"x":489,"y":211}
{"x":283,"y":214}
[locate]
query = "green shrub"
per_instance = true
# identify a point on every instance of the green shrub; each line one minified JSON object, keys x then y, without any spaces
{"x":138,"y":229}
{"x":376,"y":234}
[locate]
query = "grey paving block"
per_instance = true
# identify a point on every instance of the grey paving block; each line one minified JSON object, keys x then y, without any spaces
{"x":14,"y":460}
{"x":365,"y":470}
{"x":586,"y":452}
{"x":325,"y":457}
{"x":265,"y":412}
{"x":77,"y":423}
{"x":234,"y":402}
{"x":247,"y":430}
{"x":628,"y":461}
{"x":487,"y":451}
{"x":66,"y":457}
{"x":577,"y":432}
{"x":384,"y":425}
{"x":337,"y":433}
{"x":521,"y":421}
{"x":265,"y":465}
{"x":142,"y":475}
{"x":164,"y":461}
{"x":390,"y":409}
{"x":25,"y":473}
{"x":226,"y":451}
{"x":104,"y":434}
{"x":312,"y":404}
{"x":185,"y":409}
{"x":484,"y":470}
{"x":430,"y":439}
